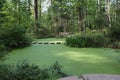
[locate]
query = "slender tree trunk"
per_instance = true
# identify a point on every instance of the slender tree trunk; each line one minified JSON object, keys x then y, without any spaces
{"x":19,"y":12}
{"x":80,"y":22}
{"x":81,"y":14}
{"x":117,"y":7}
{"x":108,"y":12}
{"x":40,"y":9}
{"x":29,"y":5}
{"x":98,"y":7}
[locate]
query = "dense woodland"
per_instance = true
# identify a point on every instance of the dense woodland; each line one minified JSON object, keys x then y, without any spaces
{"x":62,"y":16}
{"x":19,"y":18}
{"x":85,"y":23}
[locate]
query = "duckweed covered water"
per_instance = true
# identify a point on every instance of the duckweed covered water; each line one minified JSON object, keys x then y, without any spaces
{"x":74,"y":61}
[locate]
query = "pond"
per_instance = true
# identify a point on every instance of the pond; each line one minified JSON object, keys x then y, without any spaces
{"x":74,"y":61}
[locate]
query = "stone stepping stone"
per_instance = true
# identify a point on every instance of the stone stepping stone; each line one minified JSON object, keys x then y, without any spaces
{"x":48,"y":42}
{"x":52,"y":43}
{"x":45,"y":42}
{"x":58,"y":42}
{"x":34,"y":42}
{"x":40,"y":43}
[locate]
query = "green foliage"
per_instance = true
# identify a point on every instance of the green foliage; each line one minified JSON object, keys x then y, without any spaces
{"x":2,"y":15}
{"x":14,"y":20}
{"x":87,"y":40}
{"x":4,"y":69}
{"x":2,"y":47}
{"x":114,"y":35}
{"x":2,"y":50}
{"x":100,"y":22}
{"x":22,"y":71}
{"x":115,"y":44}
{"x":55,"y":70}
{"x":26,"y":71}
{"x":114,"y":32}
{"x":1,"y":3}
{"x":14,"y":36}
{"x":41,"y":32}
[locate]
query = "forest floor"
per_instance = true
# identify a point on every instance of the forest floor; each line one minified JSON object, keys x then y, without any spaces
{"x":74,"y":61}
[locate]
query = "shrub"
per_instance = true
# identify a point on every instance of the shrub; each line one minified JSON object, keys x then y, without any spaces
{"x":2,"y":47}
{"x":87,"y":40}
{"x":13,"y":37}
{"x":55,"y":70}
{"x":22,"y":71}
{"x":115,"y":45}
{"x":4,"y":69}
{"x":114,"y":32}
{"x":27,"y":71}
{"x":41,"y":31}
{"x":3,"y":51}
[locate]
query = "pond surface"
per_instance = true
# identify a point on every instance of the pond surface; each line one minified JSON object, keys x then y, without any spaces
{"x":74,"y":61}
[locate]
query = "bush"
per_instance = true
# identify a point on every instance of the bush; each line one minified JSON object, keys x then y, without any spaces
{"x":3,"y":51}
{"x":2,"y":47}
{"x":115,"y":45}
{"x":13,"y":37}
{"x":114,"y":32}
{"x":26,"y":71}
{"x":41,"y":31}
{"x":23,"y":71}
{"x":87,"y":40}
{"x":4,"y":69}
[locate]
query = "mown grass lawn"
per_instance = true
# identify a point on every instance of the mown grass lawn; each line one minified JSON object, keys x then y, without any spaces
{"x":74,"y":61}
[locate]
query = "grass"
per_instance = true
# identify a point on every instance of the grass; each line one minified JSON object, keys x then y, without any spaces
{"x":75,"y":61}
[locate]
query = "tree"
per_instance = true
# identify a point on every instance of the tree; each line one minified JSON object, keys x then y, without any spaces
{"x":36,"y":9}
{"x":2,"y":15}
{"x":108,"y":12}
{"x":15,"y":24}
{"x":35,"y":17}
{"x":80,"y":9}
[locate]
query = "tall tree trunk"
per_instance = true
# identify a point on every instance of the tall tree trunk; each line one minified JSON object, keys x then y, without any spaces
{"x":117,"y":13}
{"x":80,"y":22}
{"x":108,"y":12}
{"x":98,"y":6}
{"x":36,"y":18}
{"x":81,"y":14}
{"x":36,"y":9}
{"x":40,"y":9}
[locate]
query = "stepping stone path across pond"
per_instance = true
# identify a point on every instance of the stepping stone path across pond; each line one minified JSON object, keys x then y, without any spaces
{"x":93,"y":77}
{"x":53,"y":42}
